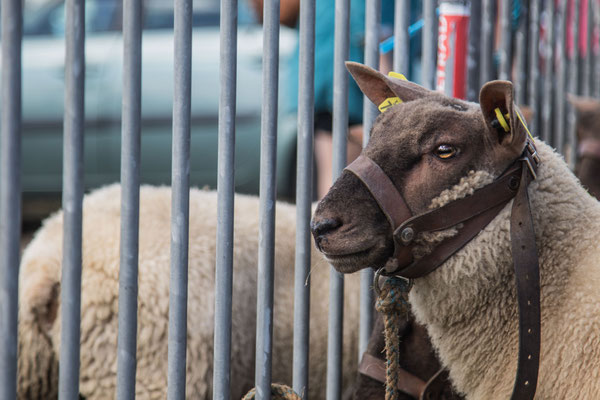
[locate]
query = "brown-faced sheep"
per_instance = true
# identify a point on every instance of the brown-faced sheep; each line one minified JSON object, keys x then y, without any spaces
{"x":435,"y":150}
{"x":40,"y":301}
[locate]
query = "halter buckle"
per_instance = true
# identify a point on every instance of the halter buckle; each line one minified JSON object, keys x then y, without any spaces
{"x":383,"y":272}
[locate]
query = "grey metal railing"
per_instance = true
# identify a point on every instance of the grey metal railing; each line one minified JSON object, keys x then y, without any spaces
{"x":539,"y":59}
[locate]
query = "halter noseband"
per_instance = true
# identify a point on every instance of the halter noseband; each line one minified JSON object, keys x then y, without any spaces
{"x":474,"y":212}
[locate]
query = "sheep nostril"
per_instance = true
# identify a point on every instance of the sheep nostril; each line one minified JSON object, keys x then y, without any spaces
{"x":324,"y":226}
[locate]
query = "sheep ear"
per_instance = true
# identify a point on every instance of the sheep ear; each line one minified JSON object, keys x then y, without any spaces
{"x":503,"y":119}
{"x":379,"y":88}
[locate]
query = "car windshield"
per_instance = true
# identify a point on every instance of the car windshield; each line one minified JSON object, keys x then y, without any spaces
{"x":47,"y":17}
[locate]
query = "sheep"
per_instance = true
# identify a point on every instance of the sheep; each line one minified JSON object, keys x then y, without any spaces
{"x":40,"y":309}
{"x":436,"y":149}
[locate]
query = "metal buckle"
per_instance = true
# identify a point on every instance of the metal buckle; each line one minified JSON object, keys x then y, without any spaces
{"x":382,"y":272}
{"x":533,"y":153}
{"x":526,"y":160}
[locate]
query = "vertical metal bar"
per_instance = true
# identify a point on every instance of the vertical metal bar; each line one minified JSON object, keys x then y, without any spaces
{"x":304,"y":174}
{"x":130,"y":198}
{"x":549,"y":81}
{"x":521,"y":79}
{"x":72,"y":200}
{"x":268,"y":192}
{"x":534,"y":62}
{"x":369,"y":114}
{"x":474,"y":55}
{"x":180,"y":182}
{"x":573,"y":86}
{"x":225,"y":201}
{"x":401,"y":36}
{"x":560,"y":107}
{"x":505,"y":39}
{"x":429,"y":49}
{"x":586,"y":88}
{"x":10,"y":194}
{"x":487,"y":42}
{"x":595,"y":51}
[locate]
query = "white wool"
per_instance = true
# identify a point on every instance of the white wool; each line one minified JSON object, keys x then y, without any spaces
{"x":469,"y":303}
{"x":40,"y":269}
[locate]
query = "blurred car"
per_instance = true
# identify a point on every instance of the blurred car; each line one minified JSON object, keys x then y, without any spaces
{"x":43,"y":60}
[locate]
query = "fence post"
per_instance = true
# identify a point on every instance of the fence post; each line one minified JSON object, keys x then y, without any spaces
{"x":474,"y":54}
{"x":548,"y":124}
{"x":560,"y":107}
{"x":487,"y":42}
{"x":429,"y":45}
{"x":10,"y":194}
{"x":72,"y":200}
{"x":225,"y":201}
{"x":505,"y":39}
{"x":534,"y":63}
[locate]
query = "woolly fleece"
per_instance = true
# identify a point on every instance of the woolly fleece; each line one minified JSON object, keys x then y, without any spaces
{"x":41,"y":272}
{"x":469,"y":304}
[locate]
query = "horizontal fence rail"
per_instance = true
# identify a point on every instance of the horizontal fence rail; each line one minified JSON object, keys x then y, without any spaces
{"x":548,"y":49}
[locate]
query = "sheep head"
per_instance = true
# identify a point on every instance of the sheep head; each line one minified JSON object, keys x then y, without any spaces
{"x":425,"y":144}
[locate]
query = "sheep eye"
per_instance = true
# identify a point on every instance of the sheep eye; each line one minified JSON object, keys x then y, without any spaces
{"x":445,"y":151}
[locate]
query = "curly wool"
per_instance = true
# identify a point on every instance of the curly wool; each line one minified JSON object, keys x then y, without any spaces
{"x":469,"y":304}
{"x":41,"y":271}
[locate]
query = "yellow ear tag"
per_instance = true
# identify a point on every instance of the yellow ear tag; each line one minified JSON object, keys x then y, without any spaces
{"x":525,"y":126}
{"x":387,"y":103}
{"x":501,"y":119}
{"x":397,"y":75}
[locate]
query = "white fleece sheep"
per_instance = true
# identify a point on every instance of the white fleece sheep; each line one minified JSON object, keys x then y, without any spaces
{"x":469,"y":304}
{"x":40,"y":309}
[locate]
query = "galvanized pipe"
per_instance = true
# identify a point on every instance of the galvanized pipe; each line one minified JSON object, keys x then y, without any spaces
{"x":474,"y":55}
{"x":534,"y":63}
{"x":268,"y":192}
{"x":505,"y":39}
{"x":10,"y":194}
{"x":595,"y":11}
{"x":72,"y":200}
{"x":549,"y":81}
{"x":586,"y":89}
{"x":180,"y":182}
{"x":429,"y":44}
{"x":573,"y":87}
{"x":130,"y":198}
{"x":561,"y":81}
{"x":401,"y":37}
{"x":487,"y":42}
{"x":521,"y":80}
{"x":225,"y":201}
{"x":304,"y":174}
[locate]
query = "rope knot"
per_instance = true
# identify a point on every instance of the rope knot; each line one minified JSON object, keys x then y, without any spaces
{"x":393,"y":297}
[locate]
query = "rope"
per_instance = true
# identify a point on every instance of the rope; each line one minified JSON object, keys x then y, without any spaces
{"x":278,"y":392}
{"x":393,"y":304}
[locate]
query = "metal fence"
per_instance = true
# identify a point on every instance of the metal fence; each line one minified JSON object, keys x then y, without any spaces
{"x":550,"y":50}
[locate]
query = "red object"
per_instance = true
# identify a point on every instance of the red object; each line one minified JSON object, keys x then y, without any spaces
{"x":453,"y":44}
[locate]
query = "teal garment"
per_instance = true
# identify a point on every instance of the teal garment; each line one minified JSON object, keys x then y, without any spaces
{"x":324,"y":54}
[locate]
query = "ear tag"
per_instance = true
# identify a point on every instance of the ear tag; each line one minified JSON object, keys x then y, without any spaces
{"x":387,"y":103}
{"x":397,"y":75}
{"x":525,"y":126}
{"x":501,"y":119}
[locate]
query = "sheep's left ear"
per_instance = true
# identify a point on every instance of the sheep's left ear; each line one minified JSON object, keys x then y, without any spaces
{"x":502,"y":117}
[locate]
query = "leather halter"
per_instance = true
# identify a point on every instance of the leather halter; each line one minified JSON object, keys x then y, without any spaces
{"x":589,"y":148}
{"x":474,"y":213}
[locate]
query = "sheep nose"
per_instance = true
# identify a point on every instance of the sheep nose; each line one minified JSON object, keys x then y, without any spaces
{"x":322,"y":227}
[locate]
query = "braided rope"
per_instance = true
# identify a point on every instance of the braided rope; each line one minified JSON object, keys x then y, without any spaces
{"x":278,"y":392}
{"x":392,"y":303}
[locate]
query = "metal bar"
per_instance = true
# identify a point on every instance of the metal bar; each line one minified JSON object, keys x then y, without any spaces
{"x":595,"y":51}
{"x":474,"y":55}
{"x":180,"y":182}
{"x":225,"y":201}
{"x":521,"y":80}
{"x":10,"y":194}
{"x":487,"y":42}
{"x":573,"y":86}
{"x":534,"y":63}
{"x":505,"y":39}
{"x":304,"y":174}
{"x":586,"y":89}
{"x":429,"y":48}
{"x":560,"y":107}
{"x":549,"y":81}
{"x":268,"y":192}
{"x":130,"y":198}
{"x":401,"y":36}
{"x":72,"y":199}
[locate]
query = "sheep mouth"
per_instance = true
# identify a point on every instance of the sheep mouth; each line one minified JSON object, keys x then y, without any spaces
{"x":349,"y":262}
